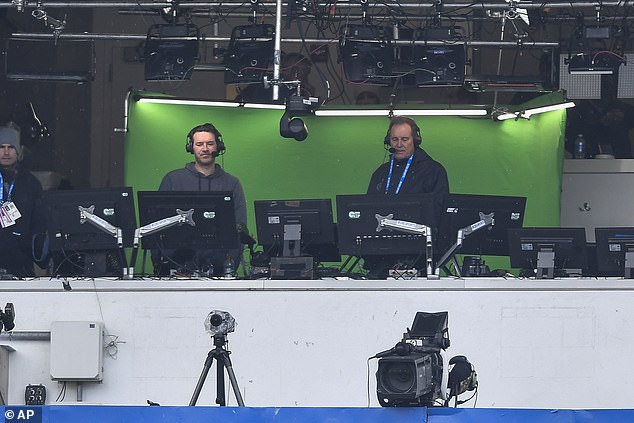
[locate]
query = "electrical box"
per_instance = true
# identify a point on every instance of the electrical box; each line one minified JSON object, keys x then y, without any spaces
{"x":77,"y":351}
{"x":4,"y":373}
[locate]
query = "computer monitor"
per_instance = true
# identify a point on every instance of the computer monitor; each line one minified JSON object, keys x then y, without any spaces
{"x":358,"y":230}
{"x":615,"y":251}
{"x":277,"y":220}
{"x":548,"y":250}
{"x":66,"y":231}
{"x":213,"y":217}
{"x":84,"y":249}
{"x":463,"y":210}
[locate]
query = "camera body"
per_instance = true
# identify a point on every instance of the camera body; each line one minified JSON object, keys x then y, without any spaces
{"x":411,"y":373}
{"x":219,"y":323}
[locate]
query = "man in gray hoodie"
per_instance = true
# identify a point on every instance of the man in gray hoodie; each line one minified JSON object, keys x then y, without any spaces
{"x":204,"y":174}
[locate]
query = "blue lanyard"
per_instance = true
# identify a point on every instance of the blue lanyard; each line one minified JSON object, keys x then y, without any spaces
{"x":400,"y":182}
{"x":2,"y":190}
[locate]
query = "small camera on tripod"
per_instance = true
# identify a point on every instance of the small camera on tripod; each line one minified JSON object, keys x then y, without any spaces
{"x":219,"y":323}
{"x":7,"y":318}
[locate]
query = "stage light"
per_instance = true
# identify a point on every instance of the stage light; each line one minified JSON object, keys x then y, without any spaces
{"x":439,"y":65}
{"x":170,"y":52}
{"x":249,"y":54}
{"x":367,"y":54}
{"x":599,"y":63}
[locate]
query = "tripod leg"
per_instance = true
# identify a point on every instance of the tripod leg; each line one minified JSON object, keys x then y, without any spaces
{"x":232,"y":379}
{"x":201,"y":379}
{"x":220,"y":383}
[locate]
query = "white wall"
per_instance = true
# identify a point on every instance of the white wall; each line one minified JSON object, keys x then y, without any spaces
{"x":543,"y":344}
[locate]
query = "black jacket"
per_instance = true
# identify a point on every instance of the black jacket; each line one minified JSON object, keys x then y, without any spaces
{"x":15,"y":241}
{"x":425,"y":175}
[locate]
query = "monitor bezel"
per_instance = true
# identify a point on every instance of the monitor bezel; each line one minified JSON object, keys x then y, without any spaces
{"x":186,"y":237}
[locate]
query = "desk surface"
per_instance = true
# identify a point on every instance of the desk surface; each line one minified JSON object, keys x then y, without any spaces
{"x":343,"y":284}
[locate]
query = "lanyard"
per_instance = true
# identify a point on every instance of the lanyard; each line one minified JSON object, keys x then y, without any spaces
{"x":400,"y":182}
{"x":2,"y":190}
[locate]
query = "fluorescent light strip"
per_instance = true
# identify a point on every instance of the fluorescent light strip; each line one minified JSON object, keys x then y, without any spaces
{"x":591,"y":72}
{"x":526,"y":114}
{"x":187,"y":102}
{"x":404,"y":112}
{"x":529,"y":112}
{"x":210,"y":103}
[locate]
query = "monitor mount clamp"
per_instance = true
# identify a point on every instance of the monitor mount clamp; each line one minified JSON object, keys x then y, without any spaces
{"x":486,"y":220}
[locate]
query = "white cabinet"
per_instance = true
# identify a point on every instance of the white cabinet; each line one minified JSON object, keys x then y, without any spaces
{"x":597,"y":193}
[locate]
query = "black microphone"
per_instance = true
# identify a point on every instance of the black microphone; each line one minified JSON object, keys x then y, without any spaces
{"x":391,"y":150}
{"x":214,"y":154}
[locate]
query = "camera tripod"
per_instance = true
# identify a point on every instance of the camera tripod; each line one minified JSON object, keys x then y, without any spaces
{"x":223,"y":362}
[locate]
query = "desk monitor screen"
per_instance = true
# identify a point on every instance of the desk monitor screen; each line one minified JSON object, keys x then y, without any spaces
{"x":357,"y":223}
{"x":463,"y":210}
{"x":66,"y":232}
{"x":213,"y":216}
{"x":612,"y":246}
{"x":314,"y":217}
{"x":568,"y":245}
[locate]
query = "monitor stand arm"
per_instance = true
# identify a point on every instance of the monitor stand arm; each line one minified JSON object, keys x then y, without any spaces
{"x":387,"y":222}
{"x":545,"y":264}
{"x":629,"y":264}
{"x":160,"y":225}
{"x":86,"y":215}
{"x":292,"y":240}
{"x":485,"y":221}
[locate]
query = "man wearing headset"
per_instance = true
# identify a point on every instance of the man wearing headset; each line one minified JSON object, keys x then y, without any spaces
{"x":409,"y":171}
{"x":21,"y":215}
{"x":204,"y":174}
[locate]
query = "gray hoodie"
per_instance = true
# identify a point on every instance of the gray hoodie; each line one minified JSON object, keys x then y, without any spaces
{"x":189,"y":179}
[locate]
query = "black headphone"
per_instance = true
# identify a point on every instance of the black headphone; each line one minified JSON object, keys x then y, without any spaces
{"x":398,"y":120}
{"x":205,"y":127}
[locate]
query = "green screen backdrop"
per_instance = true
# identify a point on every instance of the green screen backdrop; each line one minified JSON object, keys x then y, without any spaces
{"x":482,"y":156}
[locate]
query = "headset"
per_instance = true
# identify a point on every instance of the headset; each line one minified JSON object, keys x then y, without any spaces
{"x":205,"y":127}
{"x":399,"y":120}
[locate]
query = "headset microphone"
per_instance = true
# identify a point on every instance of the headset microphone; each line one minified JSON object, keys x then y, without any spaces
{"x":391,"y":150}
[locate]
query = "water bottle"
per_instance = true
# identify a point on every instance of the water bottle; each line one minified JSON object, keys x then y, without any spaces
{"x":580,"y":147}
{"x":229,"y":267}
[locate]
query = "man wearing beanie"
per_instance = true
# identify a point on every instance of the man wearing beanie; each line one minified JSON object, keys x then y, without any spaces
{"x":20,"y":213}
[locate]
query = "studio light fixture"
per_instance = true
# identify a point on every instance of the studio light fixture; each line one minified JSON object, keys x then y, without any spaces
{"x":170,"y":52}
{"x":599,"y":63}
{"x":527,"y":113}
{"x":402,"y":112}
{"x":192,"y":102}
{"x":249,"y":54}
{"x":367,"y":54}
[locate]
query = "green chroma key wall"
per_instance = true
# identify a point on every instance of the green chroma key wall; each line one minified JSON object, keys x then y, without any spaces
{"x":482,"y":156}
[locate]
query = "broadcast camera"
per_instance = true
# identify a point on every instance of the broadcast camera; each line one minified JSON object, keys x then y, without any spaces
{"x":7,"y":317}
{"x":413,"y":372}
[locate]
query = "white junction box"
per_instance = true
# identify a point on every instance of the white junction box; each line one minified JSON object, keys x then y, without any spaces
{"x":77,"y":351}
